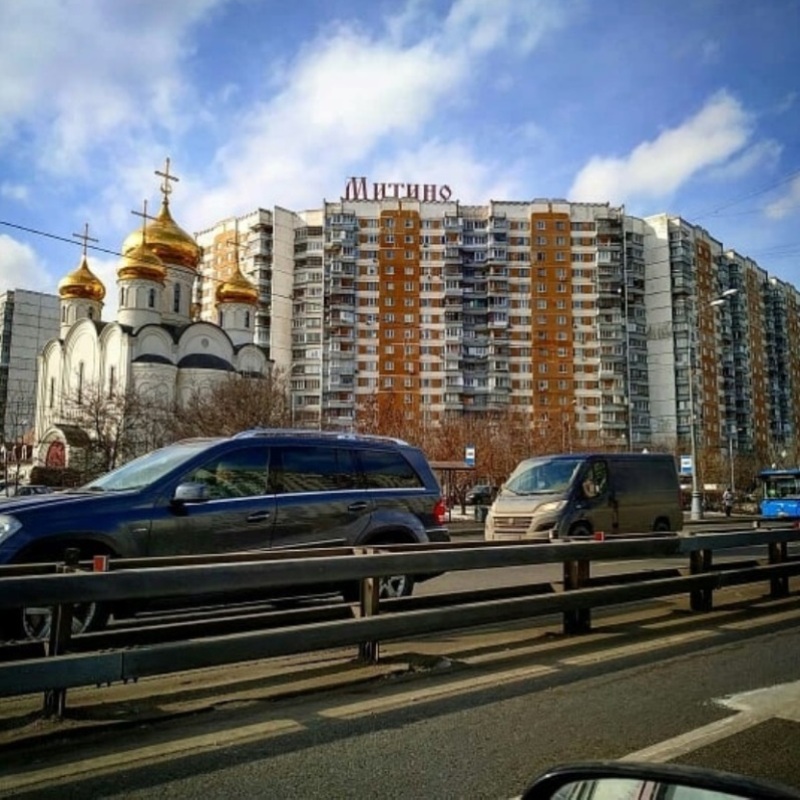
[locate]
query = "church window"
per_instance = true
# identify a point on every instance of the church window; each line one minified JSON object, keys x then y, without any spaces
{"x":52,"y":399}
{"x":121,"y":297}
{"x":151,"y":298}
{"x":80,"y":382}
{"x":112,"y":380}
{"x":91,"y":313}
{"x":63,"y":313}
{"x":176,"y":298}
{"x":247,"y":319}
{"x":221,"y":319}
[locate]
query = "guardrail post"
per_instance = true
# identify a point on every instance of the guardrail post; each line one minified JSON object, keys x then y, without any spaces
{"x":369,"y":606}
{"x":779,"y":585}
{"x":701,"y":599}
{"x":55,"y":700}
{"x":576,"y":576}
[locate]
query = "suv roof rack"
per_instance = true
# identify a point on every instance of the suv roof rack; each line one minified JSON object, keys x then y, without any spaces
{"x":300,"y":432}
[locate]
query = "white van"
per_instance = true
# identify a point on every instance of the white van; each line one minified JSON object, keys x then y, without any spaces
{"x":579,"y":495}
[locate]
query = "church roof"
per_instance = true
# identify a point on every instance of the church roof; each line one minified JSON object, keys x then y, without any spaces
{"x":204,"y":361}
{"x":81,"y":283}
{"x":152,"y":358}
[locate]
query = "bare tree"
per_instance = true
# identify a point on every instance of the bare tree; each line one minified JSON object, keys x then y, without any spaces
{"x":233,"y":404}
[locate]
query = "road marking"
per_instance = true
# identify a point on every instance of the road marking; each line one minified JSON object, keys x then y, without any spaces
{"x":126,"y":759}
{"x":753,"y":707}
{"x":536,"y":649}
{"x":422,"y":695}
{"x":636,"y":648}
{"x":757,"y":622}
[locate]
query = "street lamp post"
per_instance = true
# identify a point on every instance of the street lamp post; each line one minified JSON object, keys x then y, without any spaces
{"x":696,"y":511}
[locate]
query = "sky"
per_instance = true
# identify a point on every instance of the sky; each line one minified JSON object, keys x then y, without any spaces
{"x":689,"y":108}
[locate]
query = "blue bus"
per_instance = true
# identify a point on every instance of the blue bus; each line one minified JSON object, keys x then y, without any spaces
{"x":780,"y":492}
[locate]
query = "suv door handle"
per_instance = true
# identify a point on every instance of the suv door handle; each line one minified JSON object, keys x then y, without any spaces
{"x":359,"y":506}
{"x":259,"y":516}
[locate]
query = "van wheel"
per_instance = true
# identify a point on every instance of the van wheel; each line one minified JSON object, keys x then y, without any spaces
{"x":580,"y":531}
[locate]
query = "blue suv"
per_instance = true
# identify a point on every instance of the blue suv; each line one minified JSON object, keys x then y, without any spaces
{"x":257,"y":490}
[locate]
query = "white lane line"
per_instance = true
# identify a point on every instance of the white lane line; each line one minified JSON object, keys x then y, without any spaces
{"x":450,"y":689}
{"x":758,"y":622}
{"x":638,"y":647}
{"x":781,"y":701}
{"x":126,"y":759}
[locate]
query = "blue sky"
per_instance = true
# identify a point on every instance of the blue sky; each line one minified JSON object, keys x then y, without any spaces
{"x":689,"y":107}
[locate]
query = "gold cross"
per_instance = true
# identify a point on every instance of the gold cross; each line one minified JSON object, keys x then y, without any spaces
{"x":166,"y":189}
{"x":145,"y":216}
{"x":85,"y":237}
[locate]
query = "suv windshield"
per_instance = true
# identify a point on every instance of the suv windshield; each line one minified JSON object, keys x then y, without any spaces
{"x":543,"y":476}
{"x":147,"y":469}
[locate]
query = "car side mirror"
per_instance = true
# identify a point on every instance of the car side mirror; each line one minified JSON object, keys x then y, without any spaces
{"x":627,"y":779}
{"x":190,"y":492}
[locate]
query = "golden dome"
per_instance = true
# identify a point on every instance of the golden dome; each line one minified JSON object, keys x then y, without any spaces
{"x":81,"y":283}
{"x":167,"y":240}
{"x":237,"y":289}
{"x":141,"y":263}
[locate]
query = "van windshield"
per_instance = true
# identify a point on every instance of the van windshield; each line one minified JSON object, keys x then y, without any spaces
{"x":543,"y":476}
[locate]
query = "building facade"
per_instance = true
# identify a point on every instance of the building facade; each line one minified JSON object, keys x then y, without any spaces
{"x":27,"y":321}
{"x":613,"y":330}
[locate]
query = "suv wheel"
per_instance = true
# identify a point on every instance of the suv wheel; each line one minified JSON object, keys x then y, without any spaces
{"x":36,"y":622}
{"x":394,"y":586}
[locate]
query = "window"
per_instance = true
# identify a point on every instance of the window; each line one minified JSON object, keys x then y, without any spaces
{"x":52,"y":399}
{"x":80,"y":382}
{"x":112,"y":380}
{"x":314,"y":468}
{"x":387,"y":470}
{"x":176,"y":298}
{"x":247,"y":319}
{"x":151,"y":298}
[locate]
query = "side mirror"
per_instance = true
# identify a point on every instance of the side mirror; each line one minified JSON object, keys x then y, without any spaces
{"x":190,"y":493}
{"x":616,"y":779}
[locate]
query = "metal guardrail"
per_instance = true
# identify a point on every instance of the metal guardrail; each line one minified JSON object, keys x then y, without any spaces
{"x":133,"y":580}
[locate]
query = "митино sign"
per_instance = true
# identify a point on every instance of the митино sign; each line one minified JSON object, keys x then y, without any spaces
{"x":359,"y":189}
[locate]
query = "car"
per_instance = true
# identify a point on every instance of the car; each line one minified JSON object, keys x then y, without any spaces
{"x":256,"y":490}
{"x":481,"y":494}
{"x":24,"y":490}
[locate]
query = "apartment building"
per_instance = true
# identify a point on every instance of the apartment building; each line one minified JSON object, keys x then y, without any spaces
{"x":29,"y":321}
{"x":614,"y":330}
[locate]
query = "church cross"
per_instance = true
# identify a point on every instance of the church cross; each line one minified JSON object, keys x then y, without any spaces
{"x":145,"y":216}
{"x":166,"y":188}
{"x":85,"y":237}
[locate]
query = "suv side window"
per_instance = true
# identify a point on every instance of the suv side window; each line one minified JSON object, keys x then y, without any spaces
{"x":312,"y":468}
{"x":240,"y":473}
{"x":384,"y":469}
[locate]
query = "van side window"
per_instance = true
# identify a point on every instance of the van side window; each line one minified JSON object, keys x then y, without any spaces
{"x":595,"y":481}
{"x":313,"y":468}
{"x":388,"y":470}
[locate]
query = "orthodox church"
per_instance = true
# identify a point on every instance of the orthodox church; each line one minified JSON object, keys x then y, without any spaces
{"x":157,"y":346}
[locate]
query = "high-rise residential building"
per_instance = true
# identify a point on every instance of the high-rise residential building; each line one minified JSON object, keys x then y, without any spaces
{"x":261,"y":245}
{"x":608,"y":329}
{"x":29,"y":320}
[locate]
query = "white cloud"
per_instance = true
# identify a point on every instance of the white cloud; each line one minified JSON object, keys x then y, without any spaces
{"x":82,"y":72}
{"x":765,"y":154}
{"x":14,"y":191}
{"x":787,"y":204}
{"x":655,"y":169}
{"x":21,"y":269}
{"x":349,"y":93}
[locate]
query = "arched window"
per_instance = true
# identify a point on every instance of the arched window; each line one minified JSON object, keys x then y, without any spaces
{"x":121,"y":296}
{"x":80,"y":382}
{"x":247,"y":319}
{"x":63,"y":313}
{"x":52,"y":398}
{"x":176,"y":298}
{"x":220,"y":319}
{"x":151,"y":298}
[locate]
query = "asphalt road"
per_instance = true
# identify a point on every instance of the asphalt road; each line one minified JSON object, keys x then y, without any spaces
{"x":483,"y":727}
